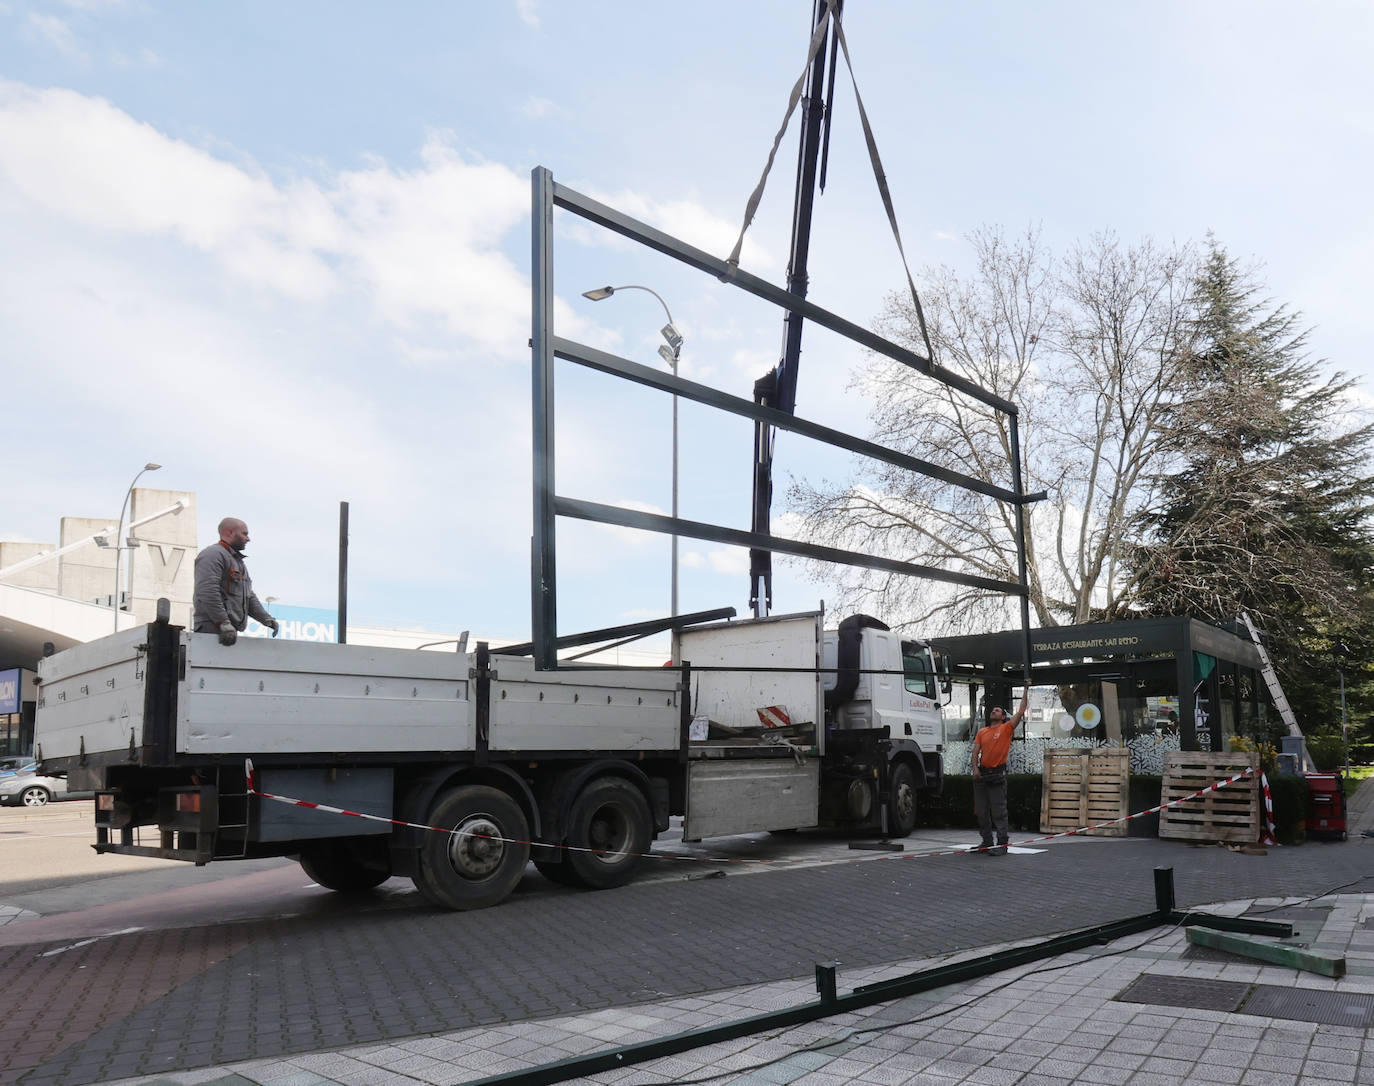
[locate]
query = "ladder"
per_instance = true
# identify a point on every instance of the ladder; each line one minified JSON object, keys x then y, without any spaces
{"x":1276,"y":693}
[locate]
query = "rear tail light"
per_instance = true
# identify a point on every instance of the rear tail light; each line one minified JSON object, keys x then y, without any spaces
{"x":188,"y":802}
{"x":105,"y":801}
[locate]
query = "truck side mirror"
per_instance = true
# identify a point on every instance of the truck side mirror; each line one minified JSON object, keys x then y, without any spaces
{"x":946,"y":680}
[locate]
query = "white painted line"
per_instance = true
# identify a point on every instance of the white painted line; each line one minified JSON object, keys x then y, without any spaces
{"x":88,"y":942}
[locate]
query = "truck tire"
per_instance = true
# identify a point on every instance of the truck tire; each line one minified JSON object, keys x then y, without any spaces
{"x":901,"y":801}
{"x":609,"y":828}
{"x":481,"y":861}
{"x":347,"y":864}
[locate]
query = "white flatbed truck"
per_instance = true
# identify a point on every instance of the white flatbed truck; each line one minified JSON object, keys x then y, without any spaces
{"x":576,"y":769}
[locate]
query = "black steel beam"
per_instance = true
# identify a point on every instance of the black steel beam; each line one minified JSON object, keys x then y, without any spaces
{"x":631,"y":631}
{"x":543,"y":571}
{"x":694,"y":529}
{"x":599,"y":213}
{"x":665,"y":381}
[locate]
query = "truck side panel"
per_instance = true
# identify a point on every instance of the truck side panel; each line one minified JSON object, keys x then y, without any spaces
{"x":287,"y":697}
{"x":732,"y":697}
{"x":576,"y":710}
{"x":367,"y":791}
{"x":92,"y":696}
{"x":726,"y":796}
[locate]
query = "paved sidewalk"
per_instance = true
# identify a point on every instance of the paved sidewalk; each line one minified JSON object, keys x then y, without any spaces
{"x":1059,"y":1021}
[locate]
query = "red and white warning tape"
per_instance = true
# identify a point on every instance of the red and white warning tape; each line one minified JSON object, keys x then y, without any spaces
{"x":1267,"y":837}
{"x":254,"y":790}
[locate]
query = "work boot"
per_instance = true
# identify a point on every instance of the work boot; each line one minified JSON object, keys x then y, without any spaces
{"x":999,"y":850}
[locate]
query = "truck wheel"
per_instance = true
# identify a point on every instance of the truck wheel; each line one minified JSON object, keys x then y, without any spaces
{"x":901,"y":802}
{"x":347,"y":865}
{"x":481,"y":859}
{"x":611,"y":819}
{"x":35,"y":796}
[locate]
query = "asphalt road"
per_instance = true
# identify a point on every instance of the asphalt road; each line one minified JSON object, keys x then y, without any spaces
{"x":163,"y":968}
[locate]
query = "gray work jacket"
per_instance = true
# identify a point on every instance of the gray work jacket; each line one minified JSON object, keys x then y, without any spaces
{"x":224,"y":591}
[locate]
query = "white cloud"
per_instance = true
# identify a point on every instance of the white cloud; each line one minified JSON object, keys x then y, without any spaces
{"x":689,"y":221}
{"x":734,"y":561}
{"x":422,"y":243}
{"x":536,"y":108}
{"x":528,"y":12}
{"x":58,"y":34}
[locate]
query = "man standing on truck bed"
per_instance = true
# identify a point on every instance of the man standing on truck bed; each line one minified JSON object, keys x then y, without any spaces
{"x":224,"y":599}
{"x":988,"y":762}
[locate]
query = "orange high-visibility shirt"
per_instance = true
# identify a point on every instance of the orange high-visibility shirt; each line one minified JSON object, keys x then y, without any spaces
{"x":992,"y":744}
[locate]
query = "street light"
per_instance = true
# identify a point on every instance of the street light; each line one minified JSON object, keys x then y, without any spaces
{"x":669,"y":352}
{"x":119,"y":535}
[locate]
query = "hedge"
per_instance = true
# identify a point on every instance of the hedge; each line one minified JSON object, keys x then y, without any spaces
{"x":953,"y":809}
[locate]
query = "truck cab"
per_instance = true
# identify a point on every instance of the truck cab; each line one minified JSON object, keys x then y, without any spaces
{"x":874,"y":678}
{"x":882,"y":713}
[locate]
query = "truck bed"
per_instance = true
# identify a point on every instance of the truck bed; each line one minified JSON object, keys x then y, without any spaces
{"x":129,"y":698}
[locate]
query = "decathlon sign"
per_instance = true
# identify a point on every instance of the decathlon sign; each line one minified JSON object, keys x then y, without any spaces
{"x":9,"y":691}
{"x":299,"y":624}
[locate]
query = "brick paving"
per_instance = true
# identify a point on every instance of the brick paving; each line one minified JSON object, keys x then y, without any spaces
{"x":189,"y":1000}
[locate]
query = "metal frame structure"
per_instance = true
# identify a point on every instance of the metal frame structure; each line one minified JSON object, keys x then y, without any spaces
{"x":547,"y":348}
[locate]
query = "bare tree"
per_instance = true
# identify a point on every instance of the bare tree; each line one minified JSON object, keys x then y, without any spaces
{"x":1085,"y":346}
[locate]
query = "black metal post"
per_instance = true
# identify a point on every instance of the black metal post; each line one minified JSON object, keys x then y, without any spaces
{"x":825,"y":981}
{"x":778,"y":388}
{"x":1019,"y":487}
{"x":343,"y":573}
{"x":544,"y":581}
{"x":481,"y":676}
{"x":1164,"y":889}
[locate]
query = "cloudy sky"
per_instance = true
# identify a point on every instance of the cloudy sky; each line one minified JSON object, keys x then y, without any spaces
{"x":284,"y":250}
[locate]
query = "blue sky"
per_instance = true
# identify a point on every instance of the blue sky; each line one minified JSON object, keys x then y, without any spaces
{"x":284,"y":249}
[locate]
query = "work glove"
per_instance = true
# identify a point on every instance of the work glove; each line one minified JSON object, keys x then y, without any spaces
{"x":227,"y":634}
{"x":275,"y":625}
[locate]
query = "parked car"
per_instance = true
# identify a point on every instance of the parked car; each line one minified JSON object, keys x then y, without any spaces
{"x":13,"y":765}
{"x":28,"y":788}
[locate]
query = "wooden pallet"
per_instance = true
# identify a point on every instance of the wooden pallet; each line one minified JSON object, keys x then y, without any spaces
{"x":1084,"y":787}
{"x":1227,"y":814}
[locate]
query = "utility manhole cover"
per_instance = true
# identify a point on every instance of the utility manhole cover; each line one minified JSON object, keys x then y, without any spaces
{"x":1263,"y":1000}
{"x":1311,"y":1005}
{"x":1195,"y":992}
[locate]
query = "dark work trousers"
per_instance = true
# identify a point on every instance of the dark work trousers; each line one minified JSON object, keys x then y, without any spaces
{"x":990,"y":797}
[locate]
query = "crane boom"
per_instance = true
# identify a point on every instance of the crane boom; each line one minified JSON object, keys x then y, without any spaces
{"x":778,"y":387}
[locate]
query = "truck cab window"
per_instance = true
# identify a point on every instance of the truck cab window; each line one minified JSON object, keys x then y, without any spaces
{"x":916,"y":667}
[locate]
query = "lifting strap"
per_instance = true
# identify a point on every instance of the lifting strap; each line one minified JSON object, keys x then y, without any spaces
{"x":879,"y":176}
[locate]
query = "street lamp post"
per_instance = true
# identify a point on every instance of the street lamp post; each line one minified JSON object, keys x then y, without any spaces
{"x":119,"y":538}
{"x":670,"y":352}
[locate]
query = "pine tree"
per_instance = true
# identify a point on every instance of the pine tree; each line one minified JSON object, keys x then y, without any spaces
{"x":1266,"y":507}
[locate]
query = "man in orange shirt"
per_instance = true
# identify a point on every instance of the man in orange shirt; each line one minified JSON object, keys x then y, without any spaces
{"x":988,"y":763}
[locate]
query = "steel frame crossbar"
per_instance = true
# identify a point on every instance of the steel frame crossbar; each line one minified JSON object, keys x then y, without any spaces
{"x":547,"y":348}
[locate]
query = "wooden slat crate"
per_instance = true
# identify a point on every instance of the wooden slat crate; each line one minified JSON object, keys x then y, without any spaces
{"x":1227,"y":814}
{"x":1084,"y":787}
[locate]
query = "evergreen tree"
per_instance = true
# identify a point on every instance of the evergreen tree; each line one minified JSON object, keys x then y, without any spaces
{"x":1266,"y":506}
